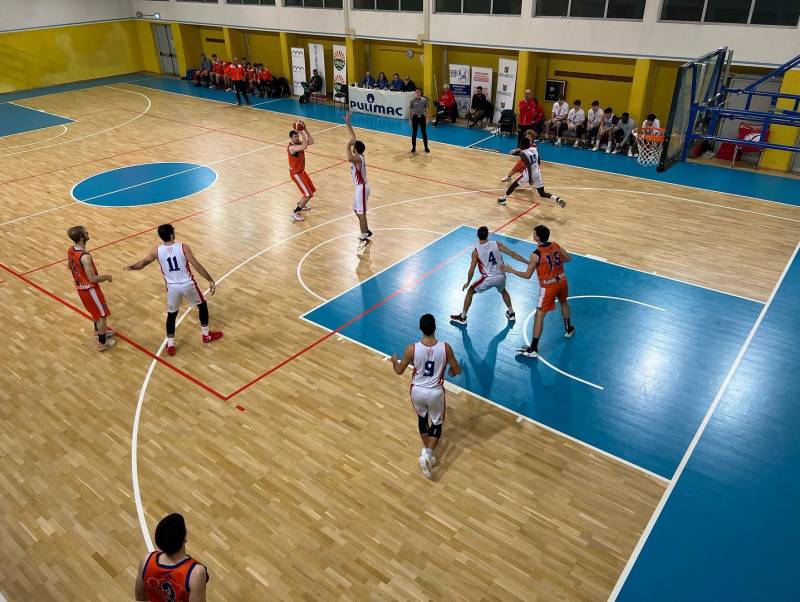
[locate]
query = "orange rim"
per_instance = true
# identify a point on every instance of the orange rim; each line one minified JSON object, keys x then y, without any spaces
{"x":652,"y":135}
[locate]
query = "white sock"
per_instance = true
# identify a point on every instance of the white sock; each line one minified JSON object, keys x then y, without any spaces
{"x":204,"y":330}
{"x":170,"y":341}
{"x":428,"y":451}
{"x":511,"y":309}
{"x":463,"y":315}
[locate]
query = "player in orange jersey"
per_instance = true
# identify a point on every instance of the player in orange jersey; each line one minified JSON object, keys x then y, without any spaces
{"x":519,"y":166}
{"x":169,"y":574}
{"x":87,"y":281}
{"x":298,"y":143}
{"x":548,"y":262}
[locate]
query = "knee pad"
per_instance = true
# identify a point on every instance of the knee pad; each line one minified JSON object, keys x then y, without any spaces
{"x":171,"y":317}
{"x":203,"y":309}
{"x":423,"y":424}
{"x":435,"y":430}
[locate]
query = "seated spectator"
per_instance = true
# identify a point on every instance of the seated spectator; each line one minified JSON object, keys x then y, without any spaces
{"x":651,"y":122}
{"x":201,"y":75}
{"x":313,"y":85}
{"x":558,"y":121}
{"x":409,"y":85}
{"x":478,"y":107}
{"x":226,"y":72}
{"x":576,"y":118}
{"x":265,"y":81}
{"x":250,"y":77}
{"x":446,"y":106}
{"x":382,"y":83}
{"x":607,"y":124}
{"x":368,"y":81}
{"x":396,"y":85}
{"x":593,"y":120}
{"x":216,"y":71}
{"x":623,"y":135}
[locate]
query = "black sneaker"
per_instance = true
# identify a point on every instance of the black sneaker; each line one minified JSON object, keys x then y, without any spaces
{"x":562,"y":203}
{"x":502,"y":200}
{"x":528,"y":351}
{"x":369,"y":233}
{"x":569,"y":332}
{"x":511,"y":316}
{"x":427,"y":150}
{"x":413,"y":150}
{"x":458,"y":318}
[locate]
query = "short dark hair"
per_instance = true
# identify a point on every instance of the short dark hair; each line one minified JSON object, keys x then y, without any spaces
{"x":483,"y":233}
{"x":479,"y":88}
{"x":76,"y":233}
{"x":626,"y":115}
{"x":293,"y":133}
{"x":576,"y":102}
{"x":543,"y":232}
{"x":171,"y":533}
{"x":561,"y":97}
{"x":427,"y":324}
{"x":166,"y":231}
{"x":608,"y":110}
{"x":525,"y":143}
{"x":359,"y":146}
{"x":595,"y":103}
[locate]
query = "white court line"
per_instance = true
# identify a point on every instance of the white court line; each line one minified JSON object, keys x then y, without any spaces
{"x":479,"y":141}
{"x":569,"y":165}
{"x":323,"y":299}
{"x":134,"y":118}
{"x":16,"y":104}
{"x":63,"y":127}
{"x":266,"y":102}
{"x":24,"y":217}
{"x":143,"y":391}
{"x":617,"y":299}
{"x":674,"y":480}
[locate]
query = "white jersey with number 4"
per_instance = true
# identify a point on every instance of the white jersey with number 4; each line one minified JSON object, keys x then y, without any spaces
{"x":429,"y":364}
{"x":173,"y":264}
{"x":490,"y":259}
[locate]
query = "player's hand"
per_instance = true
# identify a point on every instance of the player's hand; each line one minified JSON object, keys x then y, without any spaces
{"x":347,"y":118}
{"x":212,"y":287}
{"x":394,"y":359}
{"x":452,"y":371}
{"x":466,"y":284}
{"x":505,"y":267}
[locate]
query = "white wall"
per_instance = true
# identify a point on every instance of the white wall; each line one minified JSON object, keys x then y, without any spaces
{"x":28,"y":14}
{"x":756,"y":45}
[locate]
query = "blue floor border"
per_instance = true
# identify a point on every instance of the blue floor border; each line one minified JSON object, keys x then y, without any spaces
{"x":774,"y":188}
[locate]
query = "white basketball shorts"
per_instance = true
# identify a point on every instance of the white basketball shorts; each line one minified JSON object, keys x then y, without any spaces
{"x":497,"y":281}
{"x":429,"y":401}
{"x":360,"y":198}
{"x":177,"y":292}
{"x":537,"y":178}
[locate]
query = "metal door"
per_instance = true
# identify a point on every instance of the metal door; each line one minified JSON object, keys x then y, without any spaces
{"x":166,"y":49}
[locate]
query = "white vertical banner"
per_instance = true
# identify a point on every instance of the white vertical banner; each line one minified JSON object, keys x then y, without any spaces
{"x":316,"y":58}
{"x":459,"y":85}
{"x":339,"y":66}
{"x":506,"y":81}
{"x":482,"y":76}
{"x":298,"y":70}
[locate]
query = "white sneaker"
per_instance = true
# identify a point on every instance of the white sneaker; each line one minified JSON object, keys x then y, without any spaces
{"x":558,"y":141}
{"x":432,"y":459}
{"x":425,"y":467}
{"x":630,"y":153}
{"x":615,"y":151}
{"x":608,"y":150}
{"x":595,"y":148}
{"x":506,"y":179}
{"x":576,"y":145}
{"x":297,"y":217}
{"x":362,"y":244}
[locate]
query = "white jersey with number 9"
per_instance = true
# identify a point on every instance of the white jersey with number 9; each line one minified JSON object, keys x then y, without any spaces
{"x":429,"y":364}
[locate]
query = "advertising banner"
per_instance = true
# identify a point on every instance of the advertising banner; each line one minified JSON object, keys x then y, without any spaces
{"x":506,"y":81}
{"x":459,"y":85}
{"x":380,"y":102}
{"x":298,"y":70}
{"x":339,"y":66}
{"x":316,"y":58}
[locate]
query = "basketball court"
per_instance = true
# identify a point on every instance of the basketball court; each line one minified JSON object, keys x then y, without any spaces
{"x":290,"y":445}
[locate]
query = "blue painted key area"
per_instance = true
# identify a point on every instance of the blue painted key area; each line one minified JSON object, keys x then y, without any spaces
{"x":145,"y":184}
{"x":729,"y":531}
{"x":659,"y":370}
{"x":16,"y":119}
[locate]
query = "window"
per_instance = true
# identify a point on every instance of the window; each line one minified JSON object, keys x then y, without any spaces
{"x":209,"y":1}
{"x":745,"y":12}
{"x":593,"y":9}
{"x":314,"y":3}
{"x":260,"y":2}
{"x":480,"y":7}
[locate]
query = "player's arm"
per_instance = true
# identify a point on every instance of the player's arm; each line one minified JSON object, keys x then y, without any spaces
{"x":138,"y":589}
{"x":510,"y":252}
{"x":352,"y":141}
{"x":515,"y":152}
{"x":197,"y":584}
{"x":472,"y":267}
{"x":309,"y":139}
{"x":532,"y":263}
{"x":455,"y":367}
{"x":565,"y":257}
{"x":528,"y":166}
{"x":401,"y":365}
{"x":199,"y":267}
{"x":149,"y":258}
{"x":91,"y":275}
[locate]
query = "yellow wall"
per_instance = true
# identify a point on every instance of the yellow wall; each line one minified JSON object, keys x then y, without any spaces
{"x":211,"y":48}
{"x":390,"y":57}
{"x":783,"y":134}
{"x":44,"y":57}
{"x":663,"y":87}
{"x":266,"y":48}
{"x":147,"y":45}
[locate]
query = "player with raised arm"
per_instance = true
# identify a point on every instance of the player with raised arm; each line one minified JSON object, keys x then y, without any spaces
{"x":519,"y":166}
{"x":548,"y":262}
{"x":428,"y":357}
{"x":300,"y":139}
{"x":358,"y":170}
{"x":176,"y":261}
{"x":532,"y":174}
{"x":487,"y":256}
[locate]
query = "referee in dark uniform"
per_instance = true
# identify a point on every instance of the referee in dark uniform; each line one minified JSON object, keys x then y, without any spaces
{"x":417,"y":117}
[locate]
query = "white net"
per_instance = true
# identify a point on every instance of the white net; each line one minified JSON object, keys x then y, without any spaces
{"x":649,"y":143}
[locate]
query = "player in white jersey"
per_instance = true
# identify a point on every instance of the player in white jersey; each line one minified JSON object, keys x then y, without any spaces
{"x":487,"y":256}
{"x":177,"y":260}
{"x":428,"y":357}
{"x":532,"y":174}
{"x":358,"y":170}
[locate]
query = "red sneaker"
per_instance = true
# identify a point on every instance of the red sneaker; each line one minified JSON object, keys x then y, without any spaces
{"x":212,"y":336}
{"x":171,"y":350}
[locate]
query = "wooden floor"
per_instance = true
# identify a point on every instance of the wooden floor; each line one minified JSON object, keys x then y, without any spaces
{"x":305,"y":485}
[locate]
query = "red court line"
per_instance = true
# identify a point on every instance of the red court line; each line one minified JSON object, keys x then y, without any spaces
{"x":180,"y":219}
{"x":125,"y":338}
{"x":367,"y":311}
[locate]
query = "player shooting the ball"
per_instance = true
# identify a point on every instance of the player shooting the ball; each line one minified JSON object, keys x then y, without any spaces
{"x":358,"y":170}
{"x":299,"y":140}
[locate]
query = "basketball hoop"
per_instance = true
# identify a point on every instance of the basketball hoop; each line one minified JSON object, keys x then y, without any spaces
{"x":649,"y":141}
